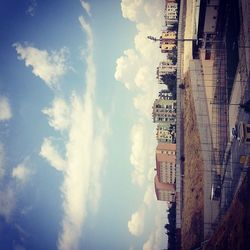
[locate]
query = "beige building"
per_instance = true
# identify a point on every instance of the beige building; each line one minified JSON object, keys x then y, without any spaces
{"x":169,"y":35}
{"x":163,"y":191}
{"x":165,"y":67}
{"x":166,"y":133}
{"x":166,"y":162}
{"x":171,"y":12}
{"x":167,"y":46}
{"x":164,"y":110}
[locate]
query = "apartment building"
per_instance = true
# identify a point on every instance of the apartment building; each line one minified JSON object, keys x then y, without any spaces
{"x":164,"y":110}
{"x":166,"y":133}
{"x":166,"y":162}
{"x":163,"y":191}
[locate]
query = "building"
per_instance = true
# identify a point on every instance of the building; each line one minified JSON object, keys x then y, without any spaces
{"x":166,"y":133}
{"x":171,"y":12}
{"x":168,"y":35}
{"x":166,"y":162}
{"x":163,"y":191}
{"x":211,"y":16}
{"x":165,"y":94}
{"x":167,"y":41}
{"x":206,"y":27}
{"x":164,"y":110}
{"x":167,"y":46}
{"x":165,"y":67}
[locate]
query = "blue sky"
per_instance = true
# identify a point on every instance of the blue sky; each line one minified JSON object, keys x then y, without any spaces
{"x":77,"y":82}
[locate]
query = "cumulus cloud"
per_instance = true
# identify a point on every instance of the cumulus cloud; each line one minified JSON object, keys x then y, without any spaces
{"x":21,"y":173}
{"x":7,"y":203}
{"x":136,"y":223}
{"x":86,"y":7}
{"x":157,"y":238}
{"x":48,"y":66}
{"x":87,"y":128}
{"x":126,"y":68}
{"x":149,"y":196}
{"x":58,"y":114}
{"x":142,"y":153}
{"x":5,"y":109}
{"x":130,"y":9}
{"x":141,"y":10}
{"x":136,"y":68}
{"x":50,"y":153}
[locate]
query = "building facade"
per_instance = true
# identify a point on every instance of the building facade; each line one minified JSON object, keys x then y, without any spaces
{"x":165,"y":94}
{"x":166,"y":133}
{"x":168,"y":35}
{"x":166,"y":162}
{"x":171,"y":12}
{"x":165,"y":67}
{"x":163,"y":191}
{"x":164,"y":110}
{"x":167,"y":46}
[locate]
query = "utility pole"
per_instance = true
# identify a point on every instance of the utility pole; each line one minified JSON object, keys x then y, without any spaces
{"x":160,"y":39}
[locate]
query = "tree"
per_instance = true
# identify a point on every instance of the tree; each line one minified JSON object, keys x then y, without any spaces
{"x":246,"y":106}
{"x":173,"y":55}
{"x":171,"y":227}
{"x":170,"y":81}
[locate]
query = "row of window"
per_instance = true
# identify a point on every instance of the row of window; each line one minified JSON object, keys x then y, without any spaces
{"x":165,"y":119}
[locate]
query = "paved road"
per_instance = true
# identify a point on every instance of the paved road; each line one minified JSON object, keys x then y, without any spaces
{"x":240,"y":94}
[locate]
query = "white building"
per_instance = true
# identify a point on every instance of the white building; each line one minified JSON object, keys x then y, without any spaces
{"x":165,"y":67}
{"x":164,"y":110}
{"x":171,"y":12}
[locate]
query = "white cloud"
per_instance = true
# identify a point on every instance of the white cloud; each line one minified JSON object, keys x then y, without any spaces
{"x":7,"y":203}
{"x":49,"y":152}
{"x":136,"y":68}
{"x":136,"y":223}
{"x":85,"y":153}
{"x":58,"y":114}
{"x":141,"y":10}
{"x":130,"y":9}
{"x":5,"y":110}
{"x":31,"y":8}
{"x":142,"y":152}
{"x":21,"y":173}
{"x":48,"y":66}
{"x":86,"y":7}
{"x":2,"y":159}
{"x":126,"y":68}
{"x":157,"y":238}
{"x":149,"y":195}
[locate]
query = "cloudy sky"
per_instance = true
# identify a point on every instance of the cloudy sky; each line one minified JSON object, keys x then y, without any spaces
{"x":77,"y":142}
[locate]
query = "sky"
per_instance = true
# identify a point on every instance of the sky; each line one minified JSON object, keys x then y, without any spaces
{"x":77,"y":142}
